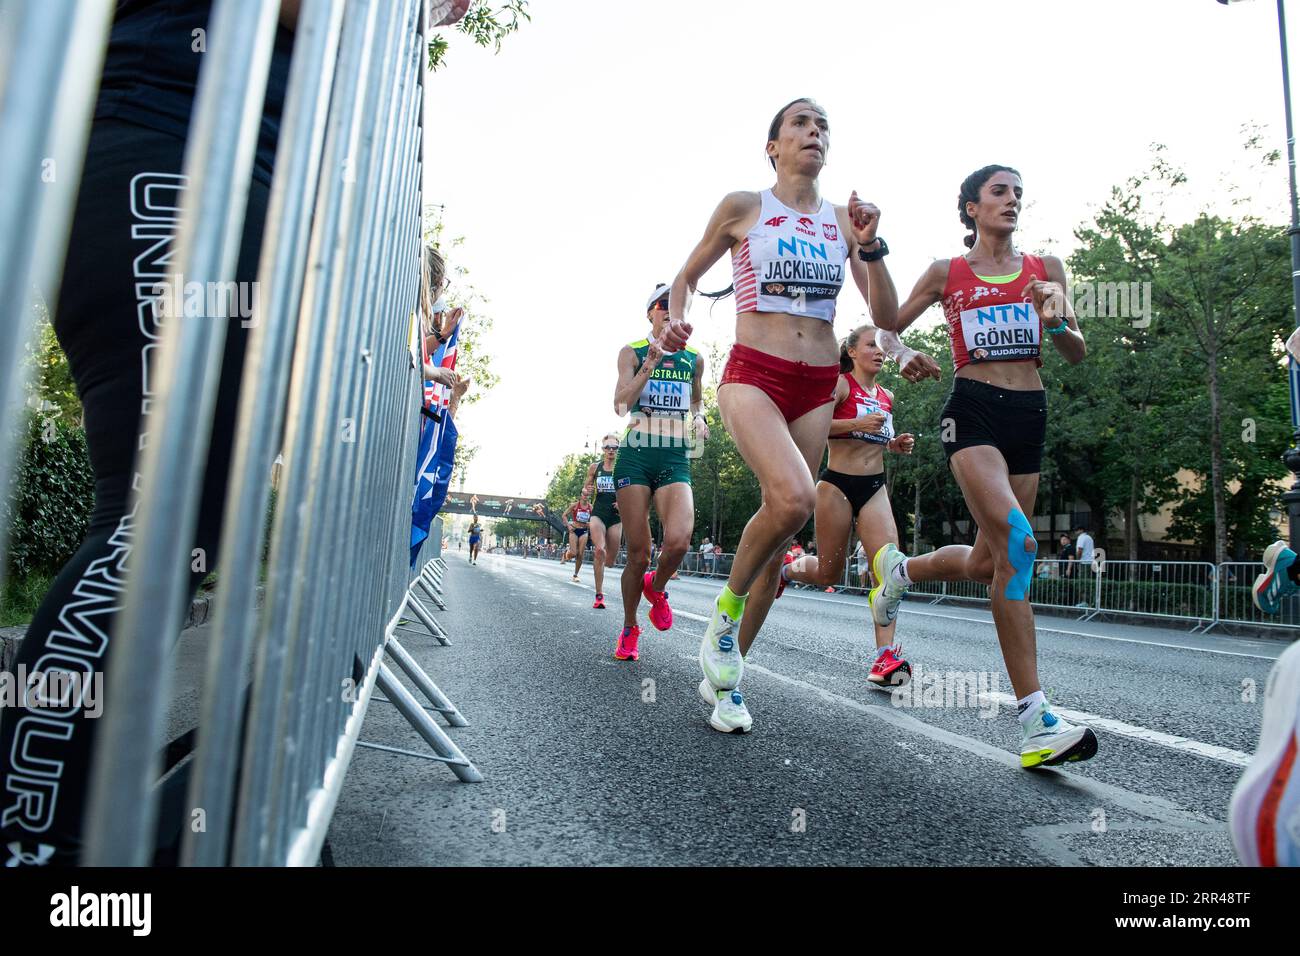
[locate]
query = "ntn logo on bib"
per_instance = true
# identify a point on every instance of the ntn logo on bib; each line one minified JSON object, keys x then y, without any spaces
{"x":1009,"y":330}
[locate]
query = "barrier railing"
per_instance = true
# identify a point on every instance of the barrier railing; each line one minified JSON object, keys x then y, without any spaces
{"x":1192,"y":592}
{"x":329,"y":380}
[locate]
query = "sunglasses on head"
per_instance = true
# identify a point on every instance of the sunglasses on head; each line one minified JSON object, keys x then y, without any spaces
{"x":610,"y":447}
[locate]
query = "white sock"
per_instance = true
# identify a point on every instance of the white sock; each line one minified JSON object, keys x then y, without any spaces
{"x":784,"y":568}
{"x":1026,"y":705}
{"x":899,"y":574}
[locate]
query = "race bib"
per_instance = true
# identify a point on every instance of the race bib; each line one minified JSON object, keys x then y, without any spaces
{"x":583,"y":517}
{"x":605,"y":484}
{"x":660,"y":397}
{"x":1001,"y":333}
{"x":886,"y":434}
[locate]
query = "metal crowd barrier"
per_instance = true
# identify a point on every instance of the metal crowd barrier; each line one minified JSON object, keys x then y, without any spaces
{"x":1197,"y":593}
{"x":329,"y":380}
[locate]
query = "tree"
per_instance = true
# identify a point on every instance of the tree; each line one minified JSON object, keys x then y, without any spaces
{"x":483,"y":25}
{"x":1221,"y":304}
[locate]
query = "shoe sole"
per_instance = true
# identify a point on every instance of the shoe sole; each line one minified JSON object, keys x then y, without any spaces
{"x":1269,"y":790}
{"x":878,"y":569}
{"x":1084,"y":748}
{"x":704,"y":688}
{"x":898,"y":677}
{"x":1259,"y":593}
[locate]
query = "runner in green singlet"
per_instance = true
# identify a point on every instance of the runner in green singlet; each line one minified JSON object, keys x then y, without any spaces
{"x":663,"y":393}
{"x":606,"y":528}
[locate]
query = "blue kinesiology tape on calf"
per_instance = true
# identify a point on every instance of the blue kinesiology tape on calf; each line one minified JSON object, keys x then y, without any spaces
{"x":1021,"y":560}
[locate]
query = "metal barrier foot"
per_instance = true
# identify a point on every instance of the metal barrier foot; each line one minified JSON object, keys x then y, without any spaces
{"x":424,"y":725}
{"x":441,"y":703}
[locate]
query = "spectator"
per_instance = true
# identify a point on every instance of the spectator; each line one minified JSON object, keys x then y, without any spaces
{"x":1064,"y":556}
{"x":1083,"y":550}
{"x":709,"y":552}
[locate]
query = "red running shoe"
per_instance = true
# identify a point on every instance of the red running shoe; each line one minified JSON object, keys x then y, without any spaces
{"x":780,"y":578}
{"x":890,"y":670}
{"x":661,"y":615}
{"x":626,"y":649}
{"x":600,"y":601}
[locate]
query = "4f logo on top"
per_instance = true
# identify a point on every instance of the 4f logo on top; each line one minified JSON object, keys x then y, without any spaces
{"x":776,"y":221}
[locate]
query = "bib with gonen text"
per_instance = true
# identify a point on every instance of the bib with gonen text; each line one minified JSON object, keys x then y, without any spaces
{"x":1001,"y":332}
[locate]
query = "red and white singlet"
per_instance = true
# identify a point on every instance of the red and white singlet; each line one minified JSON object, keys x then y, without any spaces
{"x":992,"y":321}
{"x":790,"y":261}
{"x":861,"y":402}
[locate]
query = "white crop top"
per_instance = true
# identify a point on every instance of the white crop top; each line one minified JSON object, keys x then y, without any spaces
{"x":790,"y":261}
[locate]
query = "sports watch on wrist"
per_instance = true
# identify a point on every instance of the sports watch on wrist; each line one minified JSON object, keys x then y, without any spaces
{"x":878,"y":254}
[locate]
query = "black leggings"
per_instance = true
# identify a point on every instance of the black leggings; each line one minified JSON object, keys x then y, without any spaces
{"x":123,"y":231}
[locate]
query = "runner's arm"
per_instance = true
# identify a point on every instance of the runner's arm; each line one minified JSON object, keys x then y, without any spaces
{"x":872,"y":278}
{"x":928,"y":291}
{"x":1069,"y":342}
{"x":631,"y":380}
{"x":723,"y":231}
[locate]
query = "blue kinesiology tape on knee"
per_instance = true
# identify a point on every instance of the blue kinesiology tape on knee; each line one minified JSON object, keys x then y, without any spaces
{"x":1021,"y":560}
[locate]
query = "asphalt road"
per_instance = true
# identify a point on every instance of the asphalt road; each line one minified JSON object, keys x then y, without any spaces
{"x":592,"y":761}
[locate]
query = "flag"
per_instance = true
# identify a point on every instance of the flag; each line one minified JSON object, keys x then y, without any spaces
{"x":437,"y":448}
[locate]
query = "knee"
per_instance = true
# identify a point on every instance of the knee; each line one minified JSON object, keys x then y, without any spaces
{"x":791,"y":508}
{"x":638,"y":557}
{"x":1014,"y":563}
{"x":676,"y":546}
{"x":600,"y":552}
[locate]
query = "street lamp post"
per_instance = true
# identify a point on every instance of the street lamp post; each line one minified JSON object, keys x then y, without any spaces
{"x":1291,"y":498}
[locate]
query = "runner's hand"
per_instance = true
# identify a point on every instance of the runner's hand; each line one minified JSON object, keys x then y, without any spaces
{"x":675,"y":334}
{"x":864,"y":217}
{"x":701,"y":429}
{"x":655,"y":354}
{"x":904,"y":443}
{"x":920,"y":367}
{"x":1048,"y":299}
{"x":586,"y":492}
{"x":870,"y":423}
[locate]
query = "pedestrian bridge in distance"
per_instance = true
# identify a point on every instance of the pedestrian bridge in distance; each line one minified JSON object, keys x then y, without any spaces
{"x":501,"y":506}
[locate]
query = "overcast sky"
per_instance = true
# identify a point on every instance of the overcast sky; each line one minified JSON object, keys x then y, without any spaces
{"x":581,"y":163}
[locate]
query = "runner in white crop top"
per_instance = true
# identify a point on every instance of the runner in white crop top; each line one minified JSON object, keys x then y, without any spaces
{"x":791,"y":250}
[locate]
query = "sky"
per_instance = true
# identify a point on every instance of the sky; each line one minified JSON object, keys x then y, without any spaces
{"x":581,"y":163}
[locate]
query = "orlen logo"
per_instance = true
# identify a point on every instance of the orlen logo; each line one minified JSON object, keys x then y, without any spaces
{"x":805,"y":226}
{"x":831,"y":231}
{"x":776,"y":221}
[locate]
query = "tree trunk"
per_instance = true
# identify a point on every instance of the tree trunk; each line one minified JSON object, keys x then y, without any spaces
{"x":1131,"y":522}
{"x":1216,"y":453}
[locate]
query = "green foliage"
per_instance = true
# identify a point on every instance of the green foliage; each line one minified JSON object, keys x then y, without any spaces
{"x":52,"y":497}
{"x":20,"y":597}
{"x":567,"y":480}
{"x":482,"y":24}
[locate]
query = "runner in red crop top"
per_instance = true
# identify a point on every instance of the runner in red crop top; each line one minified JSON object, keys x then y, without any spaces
{"x":791,"y":253}
{"x":1000,"y":305}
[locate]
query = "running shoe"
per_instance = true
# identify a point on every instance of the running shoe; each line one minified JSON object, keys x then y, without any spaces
{"x":575,"y":577}
{"x":780,"y":578}
{"x":627,"y":640}
{"x":730,"y":715}
{"x":1048,"y":740}
{"x":1274,"y":584}
{"x":720,"y":658}
{"x":600,"y":601}
{"x":830,"y":590}
{"x":890,"y":670}
{"x":1264,"y":815}
{"x":885,"y":597}
{"x":661,"y":615}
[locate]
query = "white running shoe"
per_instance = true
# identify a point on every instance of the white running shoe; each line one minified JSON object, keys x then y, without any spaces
{"x":720,"y":658}
{"x":885,"y":597}
{"x":1048,"y":740}
{"x":1264,"y":815}
{"x":730,"y":715}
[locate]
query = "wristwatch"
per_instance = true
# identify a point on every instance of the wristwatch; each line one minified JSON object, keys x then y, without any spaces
{"x":878,"y":254}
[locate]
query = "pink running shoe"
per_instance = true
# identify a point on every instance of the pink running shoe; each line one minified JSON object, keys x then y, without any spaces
{"x":780,"y":579}
{"x":661,"y":615}
{"x":600,"y":601}
{"x":627,"y":639}
{"x":890,"y":670}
